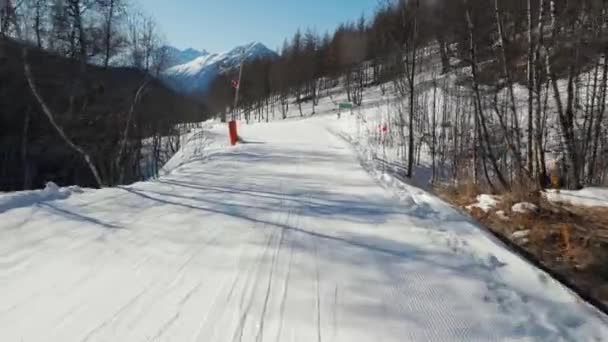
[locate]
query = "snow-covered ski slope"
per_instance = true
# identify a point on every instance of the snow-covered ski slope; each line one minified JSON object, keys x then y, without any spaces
{"x":284,"y":238}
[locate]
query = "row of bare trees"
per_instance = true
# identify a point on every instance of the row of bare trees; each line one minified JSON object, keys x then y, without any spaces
{"x":536,"y":78}
{"x":550,"y":60}
{"x":534,"y":85}
{"x":528,"y":79}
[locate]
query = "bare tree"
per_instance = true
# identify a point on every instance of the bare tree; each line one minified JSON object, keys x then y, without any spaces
{"x":481,"y":125}
{"x":113,"y":12}
{"x":35,"y":17}
{"x":514,"y":140}
{"x":410,"y":67}
{"x":119,"y":165}
{"x":8,"y":16}
{"x":51,"y":117}
{"x":145,"y":43}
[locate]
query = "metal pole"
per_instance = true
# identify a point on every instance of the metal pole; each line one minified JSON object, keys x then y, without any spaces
{"x":238,"y":88}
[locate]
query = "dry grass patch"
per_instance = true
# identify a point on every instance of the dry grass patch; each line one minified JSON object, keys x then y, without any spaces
{"x":571,"y":241}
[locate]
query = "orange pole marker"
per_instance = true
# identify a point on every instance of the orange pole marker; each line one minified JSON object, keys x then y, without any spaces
{"x":234,"y":136}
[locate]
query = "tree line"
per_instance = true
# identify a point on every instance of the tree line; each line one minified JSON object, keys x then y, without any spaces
{"x":102,"y":32}
{"x":527,"y":104}
{"x":80,"y":100}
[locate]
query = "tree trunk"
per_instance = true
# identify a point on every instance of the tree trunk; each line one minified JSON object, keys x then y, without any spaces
{"x":483,"y":130}
{"x":119,"y":165}
{"x":566,"y":115}
{"x":443,"y":53}
{"x":412,"y":84}
{"x":600,"y":119}
{"x":108,"y":37}
{"x":27,"y":181}
{"x":530,"y":74}
{"x":538,"y":83}
{"x":512,"y":105}
{"x":49,"y":114}
{"x":38,"y":23}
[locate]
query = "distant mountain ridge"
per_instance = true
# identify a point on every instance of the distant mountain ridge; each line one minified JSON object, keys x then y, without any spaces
{"x":197,"y":73}
{"x":176,"y":56}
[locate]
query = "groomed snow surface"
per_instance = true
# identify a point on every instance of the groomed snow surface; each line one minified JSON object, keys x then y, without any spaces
{"x":285,"y":238}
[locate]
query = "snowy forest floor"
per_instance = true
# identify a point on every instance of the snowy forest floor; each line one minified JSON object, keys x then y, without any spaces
{"x":291,"y":236}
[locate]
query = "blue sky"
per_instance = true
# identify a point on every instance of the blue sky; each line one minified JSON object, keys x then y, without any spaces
{"x":220,"y":25}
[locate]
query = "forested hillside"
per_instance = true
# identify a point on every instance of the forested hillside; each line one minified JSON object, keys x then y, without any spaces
{"x":524,"y":84}
{"x":79,"y":99}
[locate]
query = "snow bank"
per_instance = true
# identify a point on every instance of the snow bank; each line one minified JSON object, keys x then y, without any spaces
{"x":485,"y":202}
{"x":520,"y":234}
{"x":198,"y":144}
{"x":21,"y":199}
{"x":502,"y":215}
{"x":524,"y":208}
{"x":590,"y":197}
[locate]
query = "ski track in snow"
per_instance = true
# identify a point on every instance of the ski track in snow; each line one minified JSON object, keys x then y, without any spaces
{"x":284,"y":239}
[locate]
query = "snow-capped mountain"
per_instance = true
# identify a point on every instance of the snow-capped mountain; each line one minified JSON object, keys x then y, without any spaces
{"x":176,"y":56}
{"x":197,"y":75}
